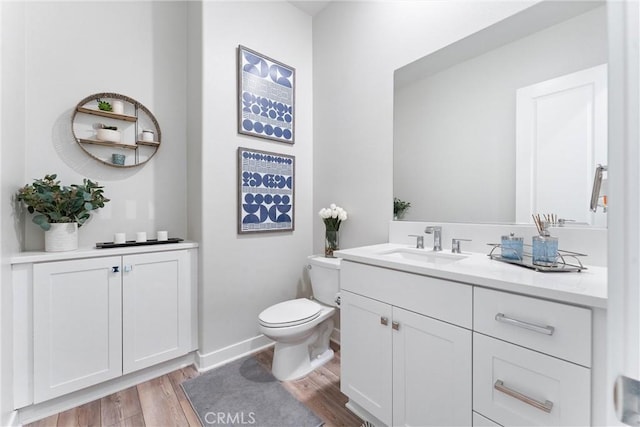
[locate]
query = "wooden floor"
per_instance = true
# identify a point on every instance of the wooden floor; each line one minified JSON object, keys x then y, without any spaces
{"x":161,"y":401}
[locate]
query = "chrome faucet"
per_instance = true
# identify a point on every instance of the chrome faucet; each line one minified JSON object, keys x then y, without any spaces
{"x":455,"y":245}
{"x":437,"y":236}
{"x":419,"y":241}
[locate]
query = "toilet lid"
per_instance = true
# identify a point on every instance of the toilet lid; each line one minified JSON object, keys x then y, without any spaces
{"x":290,"y":313}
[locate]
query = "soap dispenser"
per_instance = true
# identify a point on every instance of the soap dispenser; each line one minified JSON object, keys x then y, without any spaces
{"x":511,"y":247}
{"x":545,"y":248}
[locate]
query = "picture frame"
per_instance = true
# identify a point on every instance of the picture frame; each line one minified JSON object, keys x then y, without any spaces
{"x":266,"y":97}
{"x":266,"y":191}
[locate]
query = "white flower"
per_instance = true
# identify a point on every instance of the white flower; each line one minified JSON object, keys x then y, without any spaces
{"x":325,"y":213}
{"x":333,"y":215}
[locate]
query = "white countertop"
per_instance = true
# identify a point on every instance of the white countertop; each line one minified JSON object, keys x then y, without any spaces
{"x":41,"y":256}
{"x":587,"y":288}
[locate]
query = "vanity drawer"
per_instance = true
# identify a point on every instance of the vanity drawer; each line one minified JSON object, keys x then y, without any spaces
{"x":557,"y":329}
{"x":516,"y":386}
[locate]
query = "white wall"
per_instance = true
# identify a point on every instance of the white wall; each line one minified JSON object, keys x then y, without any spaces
{"x":356,"y":48}
{"x":243,"y":274}
{"x":179,"y":59}
{"x":53,"y":55}
{"x":459,"y":124}
{"x":195,"y":184}
{"x":138,"y":49}
{"x":12,"y":160}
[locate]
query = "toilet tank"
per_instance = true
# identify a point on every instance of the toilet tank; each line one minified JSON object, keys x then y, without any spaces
{"x":325,"y":278}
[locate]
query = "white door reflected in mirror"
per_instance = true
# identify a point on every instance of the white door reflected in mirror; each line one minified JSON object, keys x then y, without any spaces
{"x":561,"y":137}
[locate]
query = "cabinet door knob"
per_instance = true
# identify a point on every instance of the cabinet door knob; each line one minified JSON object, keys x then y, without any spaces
{"x":115,"y":269}
{"x":384,"y":321}
{"x":395,"y":325}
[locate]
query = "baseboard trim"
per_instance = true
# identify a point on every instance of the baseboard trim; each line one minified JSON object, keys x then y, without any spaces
{"x":335,"y":336}
{"x":369,"y":420}
{"x":211,"y":360}
{"x":11,"y":420}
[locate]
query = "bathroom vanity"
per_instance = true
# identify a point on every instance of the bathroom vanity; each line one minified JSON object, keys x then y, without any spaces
{"x":90,"y":322}
{"x":460,"y":339}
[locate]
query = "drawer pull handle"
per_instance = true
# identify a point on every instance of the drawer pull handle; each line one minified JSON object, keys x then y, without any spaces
{"x":395,"y":325}
{"x":545,"y":406}
{"x":384,"y":321}
{"x":547,"y":330}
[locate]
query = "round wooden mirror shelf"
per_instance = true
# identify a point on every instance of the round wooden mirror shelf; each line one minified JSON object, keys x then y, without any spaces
{"x":132,"y":149}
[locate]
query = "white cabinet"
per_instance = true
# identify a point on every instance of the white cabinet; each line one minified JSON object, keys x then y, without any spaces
{"x":402,"y":367}
{"x":419,"y":350}
{"x":516,"y":386}
{"x":155,"y":308}
{"x":525,"y":384}
{"x":431,"y":372}
{"x":77,"y":325}
{"x":561,"y":330}
{"x":365,"y":346}
{"x":99,"y":318}
{"x":480,"y":421}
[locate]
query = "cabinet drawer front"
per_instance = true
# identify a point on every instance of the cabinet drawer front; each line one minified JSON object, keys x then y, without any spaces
{"x":557,"y":329}
{"x":437,"y":298}
{"x":516,"y":386}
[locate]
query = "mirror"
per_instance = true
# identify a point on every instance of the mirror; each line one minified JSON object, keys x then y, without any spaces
{"x":455,"y":156}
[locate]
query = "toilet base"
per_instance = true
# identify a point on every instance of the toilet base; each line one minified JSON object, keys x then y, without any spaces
{"x":292,"y":361}
{"x":322,"y":359}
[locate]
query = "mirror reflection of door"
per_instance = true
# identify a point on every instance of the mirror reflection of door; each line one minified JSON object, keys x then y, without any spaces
{"x":561,"y":137}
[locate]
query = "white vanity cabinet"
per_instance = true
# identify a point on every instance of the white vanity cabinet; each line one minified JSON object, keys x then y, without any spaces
{"x":366,"y":348}
{"x":402,"y":363}
{"x":422,"y":350}
{"x":531,"y":360}
{"x":84,"y":321}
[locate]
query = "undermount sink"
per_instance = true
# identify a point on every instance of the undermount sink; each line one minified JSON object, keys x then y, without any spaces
{"x":423,"y":255}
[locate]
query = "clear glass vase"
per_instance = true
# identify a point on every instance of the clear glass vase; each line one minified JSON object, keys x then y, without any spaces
{"x":331,"y":242}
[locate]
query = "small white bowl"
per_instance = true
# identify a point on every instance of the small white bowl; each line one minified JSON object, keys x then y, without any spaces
{"x":108,"y":135}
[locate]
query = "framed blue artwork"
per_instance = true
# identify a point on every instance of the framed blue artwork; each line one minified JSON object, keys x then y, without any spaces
{"x":266,"y":191}
{"x":266,"y":97}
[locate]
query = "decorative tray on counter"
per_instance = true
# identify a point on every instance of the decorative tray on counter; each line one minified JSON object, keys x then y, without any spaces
{"x":562,"y":266}
{"x":105,"y":245}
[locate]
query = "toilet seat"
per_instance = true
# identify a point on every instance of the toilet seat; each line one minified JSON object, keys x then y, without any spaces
{"x":290,"y":313}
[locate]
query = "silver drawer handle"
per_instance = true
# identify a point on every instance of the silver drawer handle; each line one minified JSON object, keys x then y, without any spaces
{"x":545,"y":406}
{"x":547,"y":330}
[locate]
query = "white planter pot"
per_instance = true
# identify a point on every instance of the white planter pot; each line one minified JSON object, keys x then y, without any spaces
{"x":61,"y":237}
{"x":108,"y":135}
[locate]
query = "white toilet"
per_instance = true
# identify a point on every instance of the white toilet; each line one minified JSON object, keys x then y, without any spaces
{"x":301,"y":327}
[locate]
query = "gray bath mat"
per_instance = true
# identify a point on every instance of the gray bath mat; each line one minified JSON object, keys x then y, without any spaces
{"x":244,"y":393}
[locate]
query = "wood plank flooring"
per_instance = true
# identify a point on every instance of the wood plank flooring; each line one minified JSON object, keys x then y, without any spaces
{"x":161,"y":402}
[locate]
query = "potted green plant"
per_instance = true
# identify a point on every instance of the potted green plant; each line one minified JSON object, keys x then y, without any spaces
{"x":400,"y":207}
{"x":60,"y":210}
